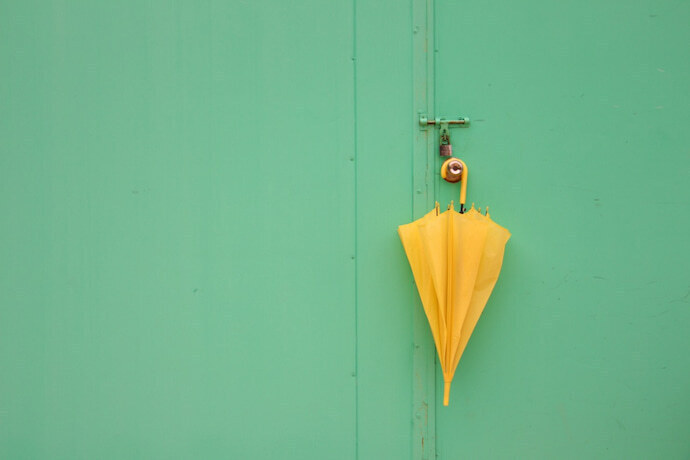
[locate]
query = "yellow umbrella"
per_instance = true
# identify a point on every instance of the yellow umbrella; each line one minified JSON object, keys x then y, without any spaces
{"x":455,"y":258}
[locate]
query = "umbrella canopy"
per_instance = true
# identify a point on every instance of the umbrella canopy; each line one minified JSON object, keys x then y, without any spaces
{"x":455,"y":258}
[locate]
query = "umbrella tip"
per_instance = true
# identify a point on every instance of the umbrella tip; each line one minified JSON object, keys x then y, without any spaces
{"x":487,"y":212}
{"x":446,"y":393}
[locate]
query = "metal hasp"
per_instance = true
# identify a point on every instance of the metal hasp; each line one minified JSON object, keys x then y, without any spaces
{"x":424,"y":121}
{"x":445,"y":147}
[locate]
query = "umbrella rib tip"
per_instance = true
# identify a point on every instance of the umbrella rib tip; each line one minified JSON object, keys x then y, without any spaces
{"x":446,"y":393}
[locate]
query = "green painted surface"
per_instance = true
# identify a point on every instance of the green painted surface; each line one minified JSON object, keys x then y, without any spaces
{"x":579,"y":144}
{"x":384,"y":192}
{"x":199,"y":249}
{"x":177,"y":234}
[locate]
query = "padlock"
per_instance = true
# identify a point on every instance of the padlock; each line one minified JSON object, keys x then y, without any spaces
{"x":445,"y":149}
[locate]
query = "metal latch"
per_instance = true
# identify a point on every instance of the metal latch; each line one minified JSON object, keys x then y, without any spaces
{"x":445,"y":147}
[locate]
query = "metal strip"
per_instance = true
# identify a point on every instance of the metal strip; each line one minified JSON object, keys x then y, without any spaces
{"x":423,"y":170}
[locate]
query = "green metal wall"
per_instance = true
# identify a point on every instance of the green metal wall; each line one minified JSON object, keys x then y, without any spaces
{"x":580,"y":145}
{"x":178,"y":230}
{"x":199,"y":208}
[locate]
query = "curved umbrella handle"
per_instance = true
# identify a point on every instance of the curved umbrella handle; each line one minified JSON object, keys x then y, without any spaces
{"x":463,"y":186}
{"x":455,"y":170}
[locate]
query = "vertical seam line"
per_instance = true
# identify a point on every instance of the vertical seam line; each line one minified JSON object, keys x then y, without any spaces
{"x":356,"y":222}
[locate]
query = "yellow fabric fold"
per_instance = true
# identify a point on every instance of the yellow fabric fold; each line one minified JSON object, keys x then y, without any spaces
{"x":455,"y":260}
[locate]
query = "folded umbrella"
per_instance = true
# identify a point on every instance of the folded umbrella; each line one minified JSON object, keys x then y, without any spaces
{"x":455,"y":259}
